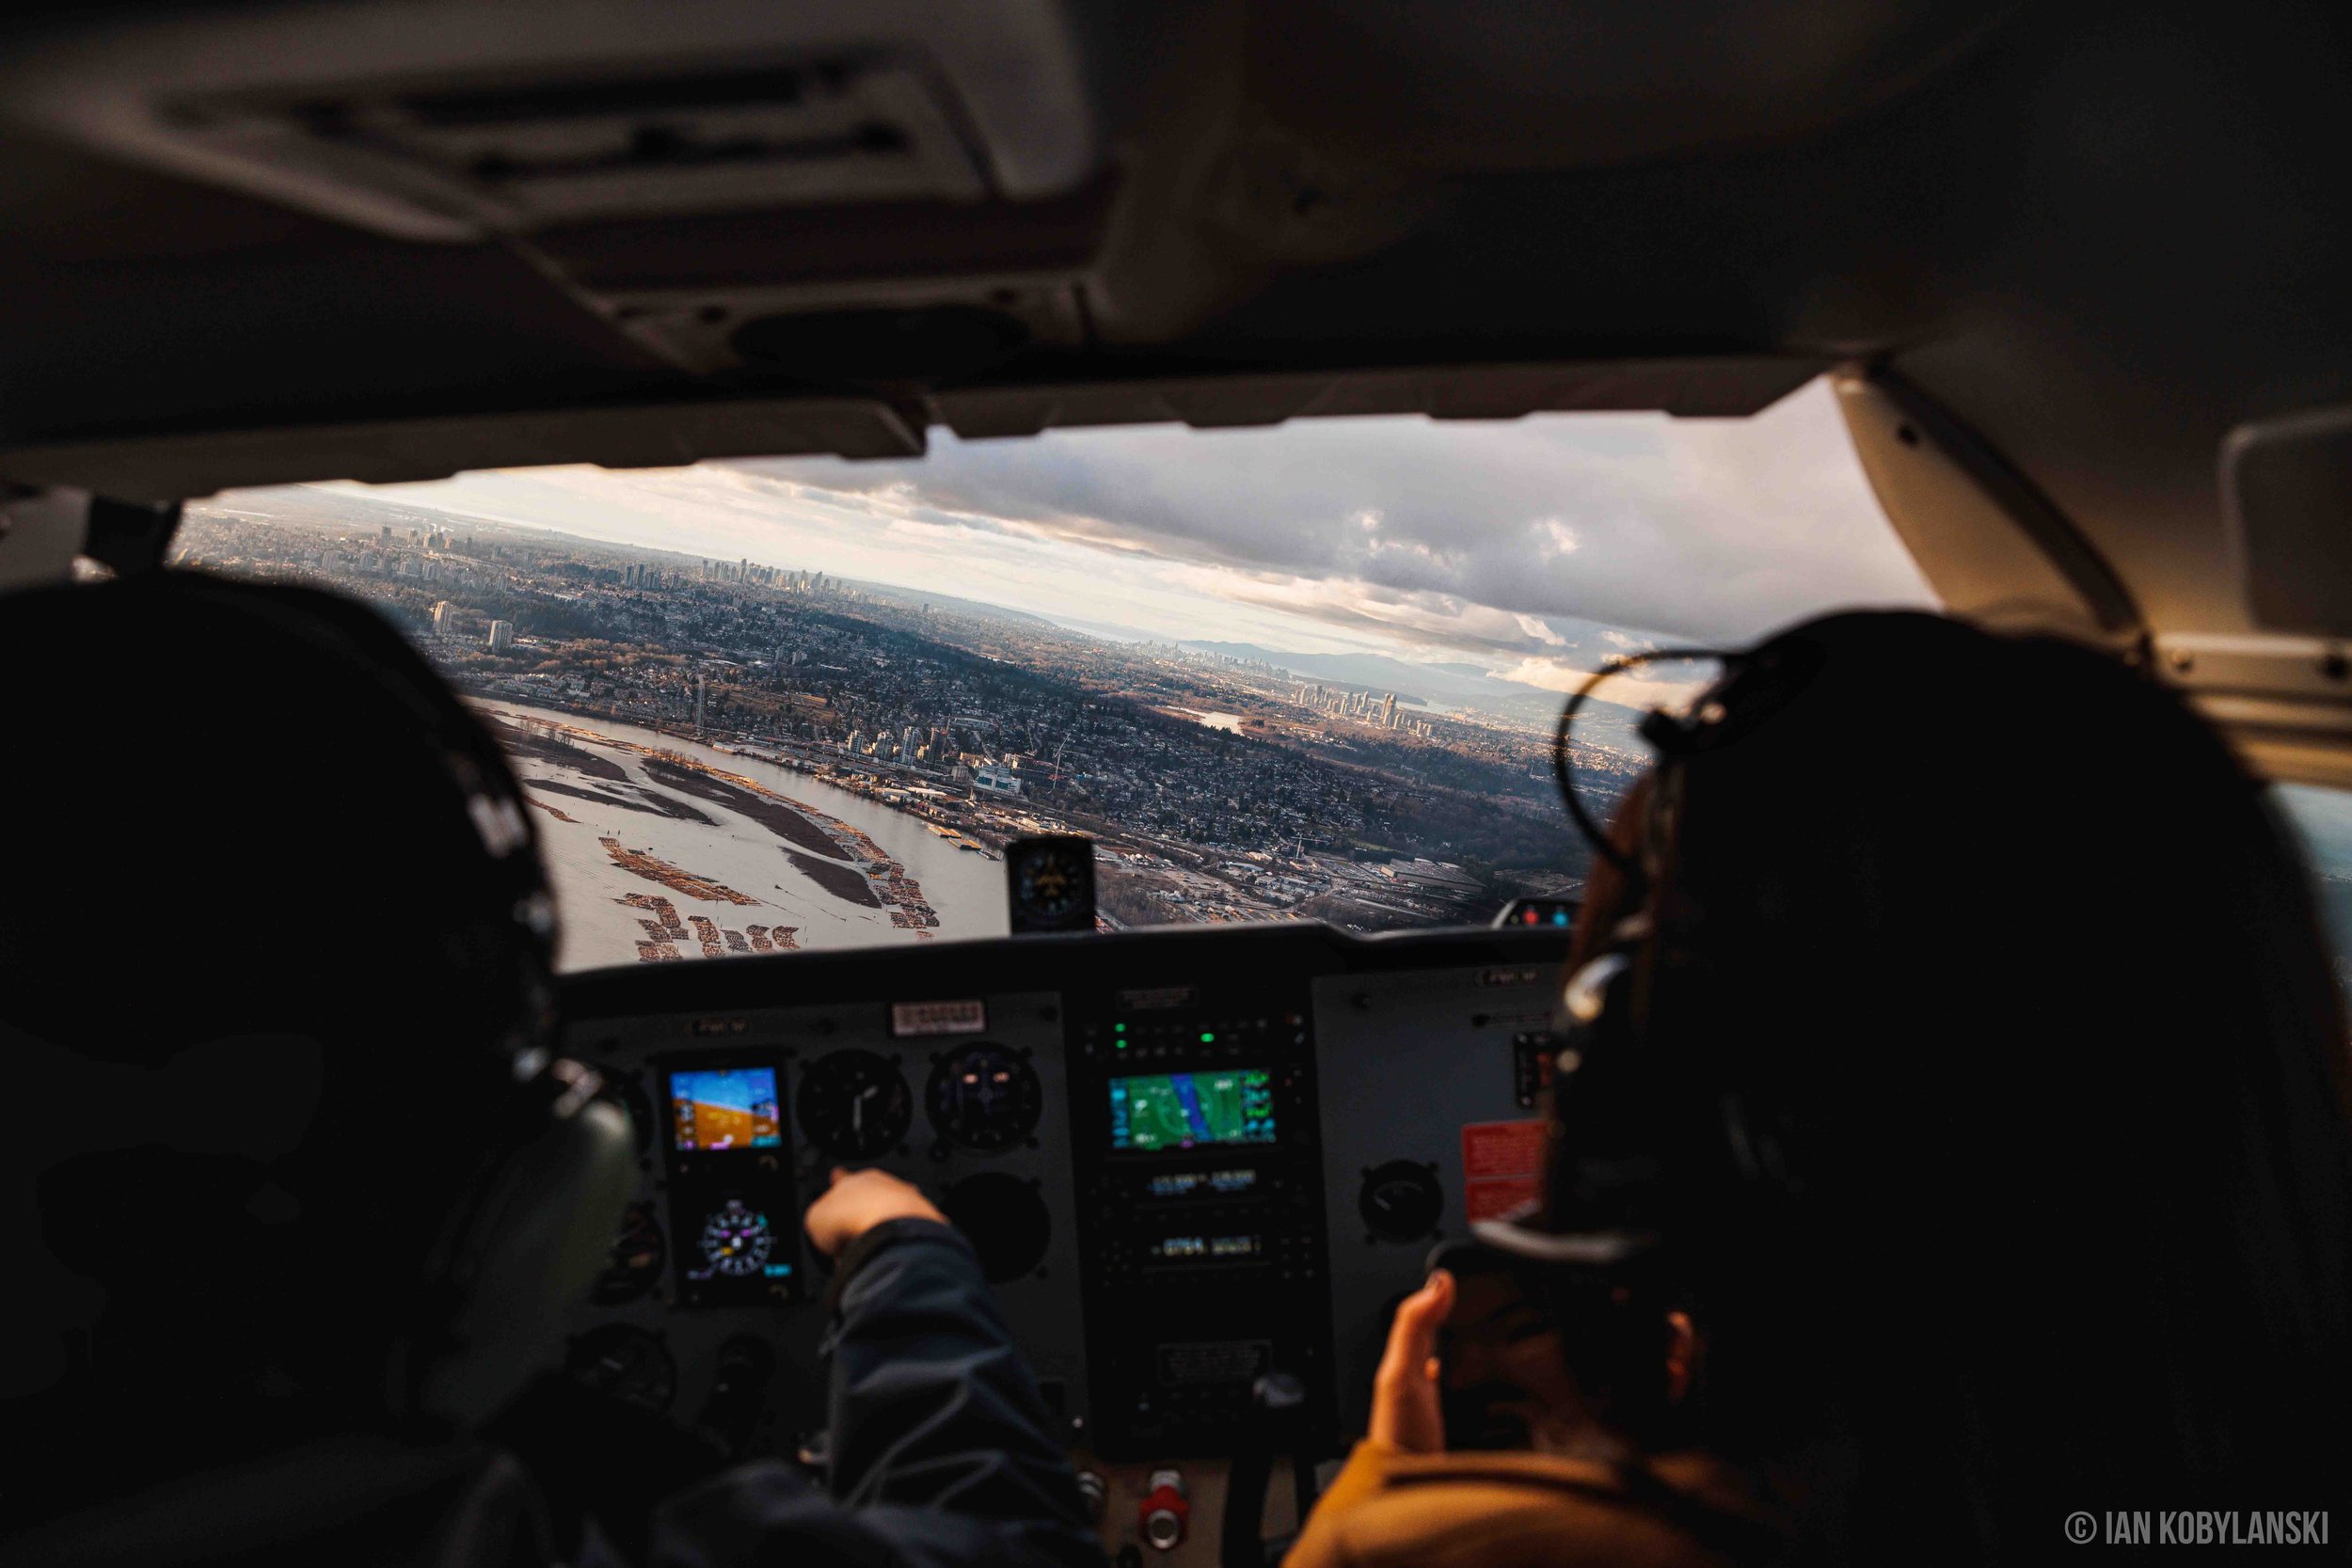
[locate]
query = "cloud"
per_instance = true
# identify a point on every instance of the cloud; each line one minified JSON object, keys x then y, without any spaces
{"x":1637,"y":688}
{"x":1715,"y":528}
{"x":1535,"y":547}
{"x":1556,"y":537}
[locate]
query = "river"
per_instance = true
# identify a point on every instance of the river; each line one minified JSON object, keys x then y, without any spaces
{"x":681,"y":841}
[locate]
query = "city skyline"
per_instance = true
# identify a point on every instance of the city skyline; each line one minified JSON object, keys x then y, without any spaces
{"x":895,"y":743}
{"x":1713,"y":531}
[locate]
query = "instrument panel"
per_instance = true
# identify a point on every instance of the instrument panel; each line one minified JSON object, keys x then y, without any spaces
{"x":1186,"y":1159}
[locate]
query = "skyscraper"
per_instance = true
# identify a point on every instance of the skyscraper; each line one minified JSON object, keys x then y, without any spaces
{"x":444,"y":619}
{"x":501,"y":635}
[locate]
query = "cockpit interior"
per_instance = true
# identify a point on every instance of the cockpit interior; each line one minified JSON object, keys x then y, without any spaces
{"x":1206,"y":1073}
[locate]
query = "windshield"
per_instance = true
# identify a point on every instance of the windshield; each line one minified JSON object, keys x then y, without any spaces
{"x":1301,"y":673}
{"x":2322,"y":819}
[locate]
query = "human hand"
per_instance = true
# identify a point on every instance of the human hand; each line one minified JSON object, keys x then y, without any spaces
{"x":1406,"y":1415}
{"x":860,"y":1201}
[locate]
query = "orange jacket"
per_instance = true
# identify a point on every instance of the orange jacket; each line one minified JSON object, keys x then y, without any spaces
{"x":1392,"y":1510}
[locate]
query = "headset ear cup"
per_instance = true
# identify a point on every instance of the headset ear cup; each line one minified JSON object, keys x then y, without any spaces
{"x":539,"y":1230}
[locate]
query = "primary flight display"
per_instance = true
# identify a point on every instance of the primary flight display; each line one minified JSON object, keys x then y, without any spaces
{"x":725,"y":1108}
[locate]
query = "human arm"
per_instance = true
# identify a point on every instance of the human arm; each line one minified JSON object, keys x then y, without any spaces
{"x":942,"y":1450}
{"x":1406,"y":1417}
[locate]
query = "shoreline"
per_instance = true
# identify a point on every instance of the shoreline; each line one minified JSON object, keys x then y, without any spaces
{"x":837,"y":857}
{"x":1145,"y":880}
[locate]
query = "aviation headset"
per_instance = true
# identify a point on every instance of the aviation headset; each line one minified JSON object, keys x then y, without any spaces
{"x":538,"y":1212}
{"x":1653,"y":1130}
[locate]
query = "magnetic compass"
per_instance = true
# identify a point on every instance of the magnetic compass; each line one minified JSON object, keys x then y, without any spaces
{"x":1051,"y":882}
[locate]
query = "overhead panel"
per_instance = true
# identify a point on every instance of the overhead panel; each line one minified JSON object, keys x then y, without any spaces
{"x":435,"y":120}
{"x":507,"y":157}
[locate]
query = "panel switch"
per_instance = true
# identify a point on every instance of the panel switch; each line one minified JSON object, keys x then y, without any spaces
{"x":1164,"y":1511}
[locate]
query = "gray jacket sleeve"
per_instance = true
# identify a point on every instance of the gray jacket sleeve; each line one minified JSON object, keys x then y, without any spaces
{"x":942,"y":1453}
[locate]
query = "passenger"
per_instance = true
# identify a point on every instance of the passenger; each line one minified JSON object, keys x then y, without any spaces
{"x":1967,"y":996}
{"x":297,"y":1194}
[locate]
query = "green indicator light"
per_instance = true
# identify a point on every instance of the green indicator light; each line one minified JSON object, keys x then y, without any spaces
{"x":1207,"y":1039}
{"x":1119,"y":1027}
{"x":1122,"y":1045}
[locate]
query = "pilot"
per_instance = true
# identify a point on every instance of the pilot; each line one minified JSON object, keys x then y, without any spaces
{"x":300,"y":1188}
{"x":1950,"y":1027}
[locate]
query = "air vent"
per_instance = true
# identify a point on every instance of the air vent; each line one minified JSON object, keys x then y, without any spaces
{"x":513,"y":157}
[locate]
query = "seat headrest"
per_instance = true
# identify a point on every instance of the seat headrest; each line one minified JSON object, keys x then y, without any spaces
{"x":260,"y":802}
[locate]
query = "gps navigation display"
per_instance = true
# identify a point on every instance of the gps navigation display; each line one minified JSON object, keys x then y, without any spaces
{"x":1186,"y":1110}
{"x":725,"y":1108}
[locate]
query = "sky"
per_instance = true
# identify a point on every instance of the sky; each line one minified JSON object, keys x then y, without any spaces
{"x":1531,"y":547}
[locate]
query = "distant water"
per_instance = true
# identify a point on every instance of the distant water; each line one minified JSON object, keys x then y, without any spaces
{"x":966,"y":890}
{"x":1229,"y":723}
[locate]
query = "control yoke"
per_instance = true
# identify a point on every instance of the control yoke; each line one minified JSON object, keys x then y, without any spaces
{"x":1279,"y":1401}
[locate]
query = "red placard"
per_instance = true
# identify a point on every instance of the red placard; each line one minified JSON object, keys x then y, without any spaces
{"x":1501,"y":1164}
{"x":1487,"y":1200}
{"x":1493,"y":1148}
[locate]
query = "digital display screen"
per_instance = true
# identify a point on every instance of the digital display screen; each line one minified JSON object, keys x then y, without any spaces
{"x":1202,"y":1183}
{"x":737,"y":1242}
{"x":1175,"y":1249}
{"x":1189,"y":1110}
{"x":719,"y":1108}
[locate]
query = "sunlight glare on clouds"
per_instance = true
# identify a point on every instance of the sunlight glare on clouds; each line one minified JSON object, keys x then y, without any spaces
{"x":1534,"y":547}
{"x":1635,"y":688}
{"x":1558,"y":537}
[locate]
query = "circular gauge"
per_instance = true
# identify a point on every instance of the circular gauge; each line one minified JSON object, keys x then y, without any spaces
{"x":1053,"y":883}
{"x":854,"y":1104}
{"x":1004,"y":1221}
{"x":984,"y":1098}
{"x":634,"y":1266}
{"x":627,"y":1363}
{"x":1401,"y":1200}
{"x":736,"y":1239}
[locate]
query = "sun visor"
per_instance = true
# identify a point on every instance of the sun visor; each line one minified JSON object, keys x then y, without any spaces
{"x":1721,"y":386}
{"x":652,"y":435}
{"x":166,"y":467}
{"x":2286,"y":489}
